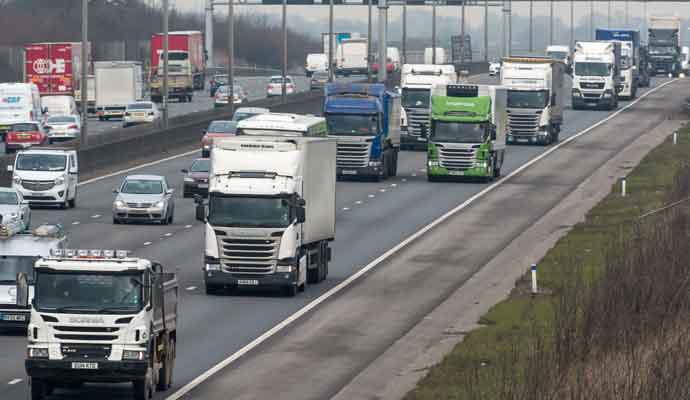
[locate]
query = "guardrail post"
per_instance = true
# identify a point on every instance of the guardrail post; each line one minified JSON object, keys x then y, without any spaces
{"x":623,"y":187}
{"x":535,"y":288}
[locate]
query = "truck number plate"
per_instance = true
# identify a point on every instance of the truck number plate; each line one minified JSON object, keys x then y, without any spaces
{"x":84,"y":365}
{"x":248,"y":282}
{"x":421,"y":139}
{"x":203,"y":186}
{"x":457,"y":173}
{"x":349,"y":172}
{"x":12,"y":317}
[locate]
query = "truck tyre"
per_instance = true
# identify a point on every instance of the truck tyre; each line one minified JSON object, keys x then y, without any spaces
{"x":165,"y":374}
{"x":38,"y":389}
{"x":290,"y":290}
{"x":213,"y":290}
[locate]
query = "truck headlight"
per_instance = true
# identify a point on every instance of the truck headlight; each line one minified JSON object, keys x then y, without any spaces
{"x":212,"y":266}
{"x":608,"y":93}
{"x":17,"y":180}
{"x":284,"y":268}
{"x":38,"y":352}
{"x":374,"y":163}
{"x":139,"y":355}
{"x":59,"y":180}
{"x":433,"y":163}
{"x":576,"y":93}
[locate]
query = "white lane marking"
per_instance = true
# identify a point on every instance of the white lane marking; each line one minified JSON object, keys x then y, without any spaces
{"x":371,"y":196}
{"x":96,"y":216}
{"x":394,"y":184}
{"x":345,"y":208}
{"x":404,"y":179}
{"x":168,"y":234}
{"x":187,"y":226}
{"x":354,"y":277}
{"x":76,"y":223}
{"x":382,"y":190}
{"x":191,"y":288}
{"x":147,"y":243}
{"x":358,"y":202}
{"x":14,"y":381}
{"x":414,"y":174}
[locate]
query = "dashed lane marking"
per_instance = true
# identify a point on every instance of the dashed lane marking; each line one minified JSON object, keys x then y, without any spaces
{"x":187,"y":226}
{"x":76,"y":223}
{"x":191,"y":288}
{"x":168,"y":234}
{"x":346,"y":208}
{"x":358,"y":202}
{"x":147,"y":243}
{"x":96,"y":216}
{"x":14,"y":381}
{"x":371,"y":196}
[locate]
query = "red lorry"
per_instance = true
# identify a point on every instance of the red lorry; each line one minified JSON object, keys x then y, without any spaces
{"x":186,"y":64}
{"x":54,"y":67}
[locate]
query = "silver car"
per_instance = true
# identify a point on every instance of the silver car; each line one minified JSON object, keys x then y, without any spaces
{"x":146,"y":198}
{"x":63,"y":127}
{"x":13,"y":207}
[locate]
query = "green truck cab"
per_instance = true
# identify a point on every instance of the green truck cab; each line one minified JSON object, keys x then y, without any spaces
{"x":468,"y":132}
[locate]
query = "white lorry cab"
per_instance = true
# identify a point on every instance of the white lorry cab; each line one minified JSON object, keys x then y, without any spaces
{"x":685,"y":59}
{"x":416,"y":81}
{"x":316,"y":62}
{"x":19,"y":250}
{"x":19,"y":102}
{"x":270,"y":216}
{"x":100,"y":316}
{"x":59,"y":105}
{"x":560,"y":53}
{"x":351,"y":57}
{"x":46,"y":176}
{"x":283,"y":124}
{"x":596,"y":75}
{"x":536,"y":98}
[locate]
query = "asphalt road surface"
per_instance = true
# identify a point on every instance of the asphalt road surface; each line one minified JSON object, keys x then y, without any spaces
{"x":213,"y":327}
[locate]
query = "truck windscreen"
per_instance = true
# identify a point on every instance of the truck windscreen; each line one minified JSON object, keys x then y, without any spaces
{"x":592,"y":69}
{"x":528,"y":99}
{"x":557,"y":55}
{"x":89,"y":292}
{"x":416,"y":98}
{"x":662,"y":50}
{"x":10,"y":266}
{"x":458,"y":132}
{"x":249,"y":212}
{"x":352,"y":124}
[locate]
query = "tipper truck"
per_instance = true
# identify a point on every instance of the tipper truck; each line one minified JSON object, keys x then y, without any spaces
{"x":468,"y":132}
{"x":536,"y":98}
{"x":54,"y":67}
{"x":270,"y":216}
{"x":118,"y":83}
{"x":416,"y":81}
{"x":19,"y":250}
{"x":664,"y":36}
{"x":596,"y":75}
{"x":365,"y":120}
{"x":100,"y":316}
{"x":186,"y":65}
{"x":630,"y":57}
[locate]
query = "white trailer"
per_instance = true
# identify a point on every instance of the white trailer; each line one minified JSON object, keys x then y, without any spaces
{"x":90,"y":94}
{"x":537,"y":93}
{"x":118,"y":83}
{"x":271,"y":212}
{"x":351,"y":57}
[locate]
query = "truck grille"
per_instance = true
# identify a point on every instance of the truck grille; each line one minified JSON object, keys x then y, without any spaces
{"x":249,"y":255}
{"x":416,"y":119}
{"x":38,"y":186}
{"x":592,"y":85}
{"x":85,"y":351}
{"x":352,"y":154}
{"x":590,"y":95}
{"x":456,"y":159}
{"x":523,"y":124}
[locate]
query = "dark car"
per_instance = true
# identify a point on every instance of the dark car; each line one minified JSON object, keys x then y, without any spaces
{"x":216,"y":129}
{"x":318,"y":80}
{"x":196,"y":178}
{"x":216,"y":82}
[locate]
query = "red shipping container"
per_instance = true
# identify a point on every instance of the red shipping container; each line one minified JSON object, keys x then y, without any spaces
{"x":54,"y":67}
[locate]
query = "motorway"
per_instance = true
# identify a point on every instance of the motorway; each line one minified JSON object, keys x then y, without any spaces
{"x":214,"y":327}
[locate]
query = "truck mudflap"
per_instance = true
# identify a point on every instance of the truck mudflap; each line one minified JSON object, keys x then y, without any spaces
{"x":86,"y":370}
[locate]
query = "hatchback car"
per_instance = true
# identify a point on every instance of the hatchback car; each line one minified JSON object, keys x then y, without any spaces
{"x":141,"y":112}
{"x":14,"y":207}
{"x":63,"y":127}
{"x":275,"y":86}
{"x":216,"y":129}
{"x":196,"y":178}
{"x":239,"y":96}
{"x":146,"y":198}
{"x":217,"y":81}
{"x":248,"y":112}
{"x":24,"y":135}
{"x":318,"y":80}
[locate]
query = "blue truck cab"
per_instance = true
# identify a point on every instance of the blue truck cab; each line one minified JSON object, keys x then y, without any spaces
{"x":365,"y":120}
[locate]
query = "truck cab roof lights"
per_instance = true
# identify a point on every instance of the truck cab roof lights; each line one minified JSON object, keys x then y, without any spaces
{"x":462,"y":90}
{"x":536,"y":60}
{"x":88,"y":254}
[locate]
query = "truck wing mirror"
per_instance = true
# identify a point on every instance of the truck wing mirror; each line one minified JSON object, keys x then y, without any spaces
{"x":201,"y":212}
{"x":301,"y":215}
{"x":22,"y":290}
{"x":493,"y":133}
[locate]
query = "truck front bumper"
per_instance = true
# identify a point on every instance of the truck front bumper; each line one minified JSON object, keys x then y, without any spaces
{"x":408,"y":140}
{"x":107,"y":371}
{"x":220,"y":278}
{"x":589,"y":100}
{"x":361,"y":171}
{"x":14,"y":318}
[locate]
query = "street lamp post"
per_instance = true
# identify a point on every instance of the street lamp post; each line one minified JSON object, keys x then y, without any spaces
{"x":284,"y":62}
{"x":84,"y":72}
{"x":165,"y":63}
{"x":231,"y":56}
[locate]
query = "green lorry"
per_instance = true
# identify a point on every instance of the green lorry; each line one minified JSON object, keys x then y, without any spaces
{"x":468,"y":132}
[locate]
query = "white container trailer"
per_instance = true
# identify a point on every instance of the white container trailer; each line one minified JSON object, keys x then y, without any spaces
{"x":536,"y":98}
{"x":271,"y":212}
{"x":118,"y":83}
{"x":351,"y":57}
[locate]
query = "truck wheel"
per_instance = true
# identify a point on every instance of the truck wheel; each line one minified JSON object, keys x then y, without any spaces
{"x":213,"y":290}
{"x":165,"y":374}
{"x":395,"y":165}
{"x":38,"y":389}
{"x":290,"y":291}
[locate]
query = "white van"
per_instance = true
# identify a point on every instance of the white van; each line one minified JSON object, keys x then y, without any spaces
{"x":351,"y":57}
{"x":441,"y":57}
{"x":393,"y":55}
{"x":19,"y":102}
{"x":59,"y":105}
{"x":316,"y":62}
{"x":46,"y":176}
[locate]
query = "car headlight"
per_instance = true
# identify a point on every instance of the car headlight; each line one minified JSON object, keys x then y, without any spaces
{"x":17,"y":180}
{"x":188,"y":179}
{"x":38,"y":352}
{"x":139,"y":355}
{"x":119,"y":204}
{"x":159,"y":204}
{"x":59,"y":180}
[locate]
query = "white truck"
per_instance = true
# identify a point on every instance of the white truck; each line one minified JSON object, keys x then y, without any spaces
{"x":118,"y":83}
{"x":416,"y":81}
{"x":560,"y":53}
{"x":537,"y":94}
{"x":271,"y":212}
{"x":19,"y":250}
{"x":100,"y":316}
{"x":596,"y":75}
{"x":351,"y":57}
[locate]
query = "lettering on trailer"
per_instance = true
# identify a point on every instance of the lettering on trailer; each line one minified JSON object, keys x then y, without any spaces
{"x":11,"y":99}
{"x":459,"y":104}
{"x":44,"y":66}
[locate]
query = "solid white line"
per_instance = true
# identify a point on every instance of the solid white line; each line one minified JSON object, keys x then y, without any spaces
{"x":14,"y":381}
{"x":354,"y":277}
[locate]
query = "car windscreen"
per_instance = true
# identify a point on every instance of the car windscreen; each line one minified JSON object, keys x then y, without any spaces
{"x":592,"y":69}
{"x":203,"y":165}
{"x":10,"y":266}
{"x":280,"y":81}
{"x":352,"y":124}
{"x":62,"y":120}
{"x":142,"y":186}
{"x":41,"y":162}
{"x":24,"y":127}
{"x":222,"y":127}
{"x":528,"y":98}
{"x":140,"y":106}
{"x":416,"y":98}
{"x":9,"y":198}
